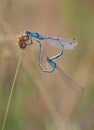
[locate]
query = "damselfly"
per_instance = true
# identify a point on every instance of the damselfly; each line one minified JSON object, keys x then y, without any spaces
{"x":26,"y":39}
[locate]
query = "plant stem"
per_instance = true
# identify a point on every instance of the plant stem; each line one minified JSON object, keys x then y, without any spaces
{"x":11,"y":91}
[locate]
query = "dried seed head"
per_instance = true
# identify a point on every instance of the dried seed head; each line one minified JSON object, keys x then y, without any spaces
{"x":22,"y":40}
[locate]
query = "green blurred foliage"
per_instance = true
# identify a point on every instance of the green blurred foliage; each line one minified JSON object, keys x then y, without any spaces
{"x":79,"y":18}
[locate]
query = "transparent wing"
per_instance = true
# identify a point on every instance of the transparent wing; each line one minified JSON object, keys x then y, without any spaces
{"x":68,"y":44}
{"x":70,"y":82}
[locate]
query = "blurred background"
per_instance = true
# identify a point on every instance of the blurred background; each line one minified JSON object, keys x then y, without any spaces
{"x":43,"y":101}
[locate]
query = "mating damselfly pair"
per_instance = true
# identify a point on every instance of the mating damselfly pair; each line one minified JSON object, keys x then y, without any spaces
{"x":25,"y":39}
